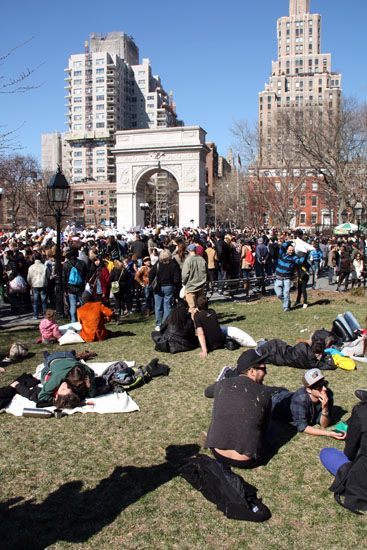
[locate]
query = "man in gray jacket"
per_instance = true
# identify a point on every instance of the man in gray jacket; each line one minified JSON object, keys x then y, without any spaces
{"x":193,"y":278}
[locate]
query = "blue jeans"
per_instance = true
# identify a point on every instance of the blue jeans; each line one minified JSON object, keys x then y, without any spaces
{"x":332,"y":459}
{"x":315,"y":272}
{"x":39,"y":293}
{"x":282,"y":288}
{"x":73,"y":300}
{"x":163,"y":303}
{"x":148,"y":296}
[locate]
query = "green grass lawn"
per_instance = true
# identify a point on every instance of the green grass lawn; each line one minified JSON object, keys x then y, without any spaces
{"x":95,"y":481}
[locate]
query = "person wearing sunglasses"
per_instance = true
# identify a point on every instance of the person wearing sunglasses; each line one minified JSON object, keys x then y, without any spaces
{"x":241,"y":411}
{"x":310,"y":405}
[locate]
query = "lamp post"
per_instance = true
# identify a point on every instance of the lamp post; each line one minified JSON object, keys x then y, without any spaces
{"x":344,"y":215}
{"x":58,"y":194}
{"x":358,"y":211}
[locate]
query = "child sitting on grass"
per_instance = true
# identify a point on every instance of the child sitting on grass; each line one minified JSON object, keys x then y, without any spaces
{"x":49,"y":329}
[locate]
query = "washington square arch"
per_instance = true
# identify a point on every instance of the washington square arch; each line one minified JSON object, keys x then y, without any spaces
{"x":161,"y":173}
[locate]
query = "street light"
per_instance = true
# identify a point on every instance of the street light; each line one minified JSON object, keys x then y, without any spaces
{"x":58,"y":194}
{"x":358,"y":211}
{"x":344,"y":215}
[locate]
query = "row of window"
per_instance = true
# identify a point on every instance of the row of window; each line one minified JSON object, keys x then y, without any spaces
{"x":77,"y":64}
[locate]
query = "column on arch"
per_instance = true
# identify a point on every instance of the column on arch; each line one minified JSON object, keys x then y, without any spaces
{"x":192,"y":207}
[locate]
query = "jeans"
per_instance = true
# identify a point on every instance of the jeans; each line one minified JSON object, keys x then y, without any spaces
{"x":282,"y":288}
{"x":163,"y":303}
{"x":332,"y":459}
{"x":315,"y":273}
{"x":73,"y":300}
{"x":149,"y":299}
{"x":302,"y":288}
{"x":39,"y":293}
{"x":331,"y":274}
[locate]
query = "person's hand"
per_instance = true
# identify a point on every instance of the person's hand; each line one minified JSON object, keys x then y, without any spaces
{"x":89,"y":403}
{"x":338,"y":435}
{"x":323,"y":398}
{"x":203,"y":354}
{"x":87,"y":381}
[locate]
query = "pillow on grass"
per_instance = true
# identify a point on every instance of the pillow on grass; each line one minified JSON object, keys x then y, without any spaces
{"x":70,"y":337}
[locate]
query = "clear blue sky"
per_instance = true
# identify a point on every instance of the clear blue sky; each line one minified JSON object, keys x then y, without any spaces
{"x":207,"y":52}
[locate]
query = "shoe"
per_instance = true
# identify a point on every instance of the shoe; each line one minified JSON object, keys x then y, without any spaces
{"x":157,"y":328}
{"x":361,"y":394}
{"x":296,"y":304}
{"x":305,"y":306}
{"x":286,"y":309}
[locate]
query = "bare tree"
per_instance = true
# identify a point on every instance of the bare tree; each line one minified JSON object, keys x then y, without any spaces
{"x":15,"y":84}
{"x":19,"y":177}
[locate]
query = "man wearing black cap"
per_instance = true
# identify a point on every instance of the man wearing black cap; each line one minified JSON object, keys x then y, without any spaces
{"x":241,"y":411}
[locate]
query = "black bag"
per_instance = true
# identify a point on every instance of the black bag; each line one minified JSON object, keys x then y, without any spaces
{"x":350,"y":485}
{"x":207,"y":476}
{"x":342,"y":330}
{"x":155,"y":284}
{"x":231,"y":344}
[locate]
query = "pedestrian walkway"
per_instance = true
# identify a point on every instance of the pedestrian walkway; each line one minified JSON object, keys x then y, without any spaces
{"x":11,"y":320}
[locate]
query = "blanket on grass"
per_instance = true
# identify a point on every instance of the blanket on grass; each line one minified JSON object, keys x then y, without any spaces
{"x":113,"y":402}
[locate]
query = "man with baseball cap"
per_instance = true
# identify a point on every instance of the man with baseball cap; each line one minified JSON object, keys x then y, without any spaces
{"x":310,"y":405}
{"x":240,"y":415}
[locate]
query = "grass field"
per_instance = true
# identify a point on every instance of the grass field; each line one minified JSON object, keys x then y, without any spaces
{"x":91,"y":481}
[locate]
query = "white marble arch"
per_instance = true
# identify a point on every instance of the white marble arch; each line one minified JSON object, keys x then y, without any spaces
{"x":140,"y":154}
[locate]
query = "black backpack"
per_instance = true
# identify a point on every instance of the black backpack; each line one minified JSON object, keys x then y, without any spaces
{"x":207,"y":476}
{"x":350,"y":485}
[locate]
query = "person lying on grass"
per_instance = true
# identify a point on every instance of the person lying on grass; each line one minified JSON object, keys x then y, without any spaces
{"x":304,"y":355}
{"x":27,"y":386}
{"x":67,"y":374}
{"x":310,"y":405}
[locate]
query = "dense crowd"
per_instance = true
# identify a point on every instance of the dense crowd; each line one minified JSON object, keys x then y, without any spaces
{"x":126,"y":263}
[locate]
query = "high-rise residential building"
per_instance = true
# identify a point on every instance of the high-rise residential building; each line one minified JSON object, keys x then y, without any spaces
{"x":301,"y":78}
{"x":109,"y":90}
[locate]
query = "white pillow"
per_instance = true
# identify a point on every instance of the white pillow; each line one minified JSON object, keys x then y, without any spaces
{"x":70,"y":337}
{"x":241,"y":337}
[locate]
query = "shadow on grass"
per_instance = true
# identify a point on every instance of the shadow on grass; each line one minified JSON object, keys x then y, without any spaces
{"x":277,"y":435}
{"x":225,"y":319}
{"x":338,"y":413}
{"x":73,"y":515}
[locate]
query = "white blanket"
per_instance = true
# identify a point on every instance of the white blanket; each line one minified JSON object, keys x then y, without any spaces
{"x":119,"y":402}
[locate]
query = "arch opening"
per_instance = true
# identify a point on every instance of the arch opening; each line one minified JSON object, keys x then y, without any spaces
{"x":157,"y":198}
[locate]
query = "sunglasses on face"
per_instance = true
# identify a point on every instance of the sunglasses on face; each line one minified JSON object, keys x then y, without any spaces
{"x":319,"y":385}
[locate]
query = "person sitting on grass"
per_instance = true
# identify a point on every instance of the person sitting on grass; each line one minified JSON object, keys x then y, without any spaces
{"x":240,"y":416}
{"x":27,"y":386}
{"x":177,"y":332}
{"x":207,"y":327}
{"x":49,"y":329}
{"x":310,"y":405}
{"x":93,"y":317}
{"x":349,"y":467}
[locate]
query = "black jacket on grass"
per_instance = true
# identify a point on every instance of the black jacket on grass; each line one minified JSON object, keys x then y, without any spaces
{"x":299,"y":356}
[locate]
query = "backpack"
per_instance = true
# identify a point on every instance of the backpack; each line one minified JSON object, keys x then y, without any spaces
{"x":75,"y":278}
{"x":207,"y":476}
{"x":122,"y":377}
{"x":17,"y":351}
{"x":350,"y":485}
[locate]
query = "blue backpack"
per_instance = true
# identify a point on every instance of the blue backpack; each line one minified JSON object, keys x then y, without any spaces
{"x":75,"y":279}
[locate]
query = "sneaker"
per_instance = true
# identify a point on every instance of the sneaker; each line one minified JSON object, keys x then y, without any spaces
{"x":305,"y":306}
{"x":157,"y":328}
{"x":296,"y":304}
{"x":361,"y":394}
{"x":286,"y":309}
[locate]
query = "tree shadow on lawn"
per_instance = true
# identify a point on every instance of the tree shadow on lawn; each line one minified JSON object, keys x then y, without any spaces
{"x":225,"y":318}
{"x":73,"y":515}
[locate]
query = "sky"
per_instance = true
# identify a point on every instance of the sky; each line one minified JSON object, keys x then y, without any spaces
{"x":215,"y":55}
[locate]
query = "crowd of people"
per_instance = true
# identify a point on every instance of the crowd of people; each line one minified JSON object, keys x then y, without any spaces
{"x":108,"y":275}
{"x":147,"y":269}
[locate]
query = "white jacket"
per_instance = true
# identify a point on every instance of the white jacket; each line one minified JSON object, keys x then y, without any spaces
{"x":37,"y":275}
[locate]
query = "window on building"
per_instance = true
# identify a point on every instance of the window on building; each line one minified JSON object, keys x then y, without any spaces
{"x":100,"y":116}
{"x":100,"y":162}
{"x":77,"y":82}
{"x":101,"y":202}
{"x":314,"y":200}
{"x":99,"y":97}
{"x":78,"y":162}
{"x":90,"y":202}
{"x":77,"y":127}
{"x":302,"y":218}
{"x":100,"y":169}
{"x":101,"y":193}
{"x":313,"y":219}
{"x":78,"y":171}
{"x":100,"y":152}
{"x":100,"y":124}
{"x":77,"y":99}
{"x":78,"y":154}
{"x":100,"y":61}
{"x":78,"y":117}
{"x":77,"y":64}
{"x":100,"y":70}
{"x":77,"y":91}
{"x":302,"y":201}
{"x":99,"y":79}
